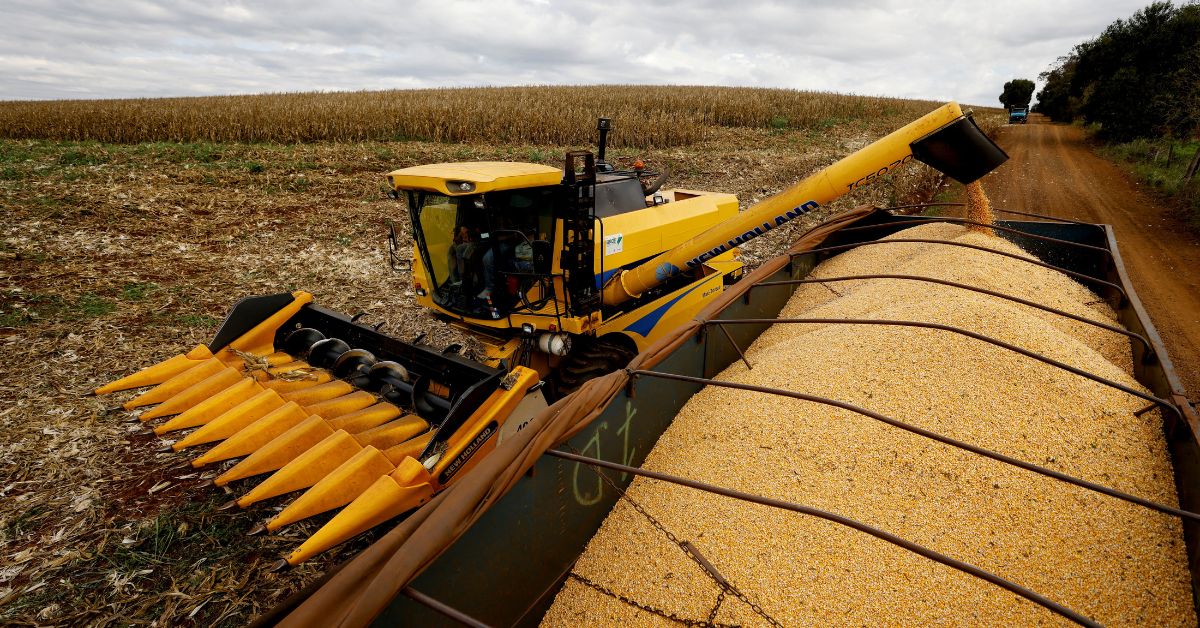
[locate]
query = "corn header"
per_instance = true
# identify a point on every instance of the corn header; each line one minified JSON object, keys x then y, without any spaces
{"x":561,"y":274}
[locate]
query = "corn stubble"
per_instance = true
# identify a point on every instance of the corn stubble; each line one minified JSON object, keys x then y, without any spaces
{"x":1113,"y":561}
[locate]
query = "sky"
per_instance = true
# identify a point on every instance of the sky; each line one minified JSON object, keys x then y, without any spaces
{"x":938,"y":50}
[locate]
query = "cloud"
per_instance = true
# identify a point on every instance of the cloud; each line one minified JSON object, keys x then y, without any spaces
{"x":938,"y":50}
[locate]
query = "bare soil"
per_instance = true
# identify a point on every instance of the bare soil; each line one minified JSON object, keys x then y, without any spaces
{"x":1053,"y":171}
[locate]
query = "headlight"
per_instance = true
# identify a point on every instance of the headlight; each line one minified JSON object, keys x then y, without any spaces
{"x":460,"y":186}
{"x":554,"y":344}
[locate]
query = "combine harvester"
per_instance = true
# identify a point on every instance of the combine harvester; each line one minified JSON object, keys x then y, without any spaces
{"x":563,"y":276}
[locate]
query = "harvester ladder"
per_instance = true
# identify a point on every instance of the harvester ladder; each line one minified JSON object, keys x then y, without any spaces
{"x":579,"y":224}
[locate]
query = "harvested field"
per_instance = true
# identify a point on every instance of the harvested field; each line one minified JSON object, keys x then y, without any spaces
{"x":1115,"y":562}
{"x":116,"y":256}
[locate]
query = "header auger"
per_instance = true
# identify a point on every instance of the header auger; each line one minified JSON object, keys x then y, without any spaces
{"x":326,"y":414}
{"x":561,"y":275}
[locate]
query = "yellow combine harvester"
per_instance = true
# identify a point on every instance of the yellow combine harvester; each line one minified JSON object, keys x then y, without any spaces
{"x":562,"y":275}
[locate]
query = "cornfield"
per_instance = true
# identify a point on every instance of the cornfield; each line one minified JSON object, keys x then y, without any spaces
{"x":648,"y":116}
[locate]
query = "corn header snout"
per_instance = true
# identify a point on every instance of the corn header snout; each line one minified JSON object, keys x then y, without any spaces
{"x":334,"y":408}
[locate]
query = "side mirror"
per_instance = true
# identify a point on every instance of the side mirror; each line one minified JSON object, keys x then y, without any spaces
{"x":543,"y":257}
{"x":393,"y":246}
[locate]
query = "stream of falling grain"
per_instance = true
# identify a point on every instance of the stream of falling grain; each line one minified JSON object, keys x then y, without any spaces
{"x":979,"y":208}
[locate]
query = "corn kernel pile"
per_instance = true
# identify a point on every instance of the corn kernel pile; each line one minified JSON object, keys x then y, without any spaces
{"x":1112,"y":561}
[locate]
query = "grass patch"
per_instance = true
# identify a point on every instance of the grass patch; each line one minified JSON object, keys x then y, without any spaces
{"x":14,"y":153}
{"x":822,"y":127}
{"x":24,"y":522}
{"x":203,"y":155}
{"x":26,"y":308}
{"x":176,"y":319}
{"x":12,"y":318}
{"x":137,"y":291}
{"x":303,"y":165}
{"x":950,"y":194}
{"x":61,"y":202}
{"x":90,"y":306}
{"x":48,"y":202}
{"x":824,"y":124}
{"x":190,"y":529}
{"x":82,"y":158}
{"x":1162,"y":164}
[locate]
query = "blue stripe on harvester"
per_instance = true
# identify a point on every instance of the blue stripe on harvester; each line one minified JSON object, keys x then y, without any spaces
{"x":643,"y":325}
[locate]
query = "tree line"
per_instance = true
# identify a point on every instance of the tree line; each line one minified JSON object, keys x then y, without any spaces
{"x":1139,"y":78}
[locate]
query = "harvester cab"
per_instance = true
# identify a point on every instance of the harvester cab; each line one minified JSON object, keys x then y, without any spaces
{"x":563,"y":275}
{"x":517,"y":254}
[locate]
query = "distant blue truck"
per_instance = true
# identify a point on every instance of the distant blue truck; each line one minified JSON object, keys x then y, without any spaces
{"x":1018,"y":115}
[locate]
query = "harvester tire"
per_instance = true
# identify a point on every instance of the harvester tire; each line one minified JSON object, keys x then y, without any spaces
{"x":588,"y":360}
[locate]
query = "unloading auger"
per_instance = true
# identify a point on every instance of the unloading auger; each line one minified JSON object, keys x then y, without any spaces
{"x":945,"y":138}
{"x":562,"y":276}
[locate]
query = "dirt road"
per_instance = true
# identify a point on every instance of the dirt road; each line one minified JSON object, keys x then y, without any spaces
{"x":1052,"y":171}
